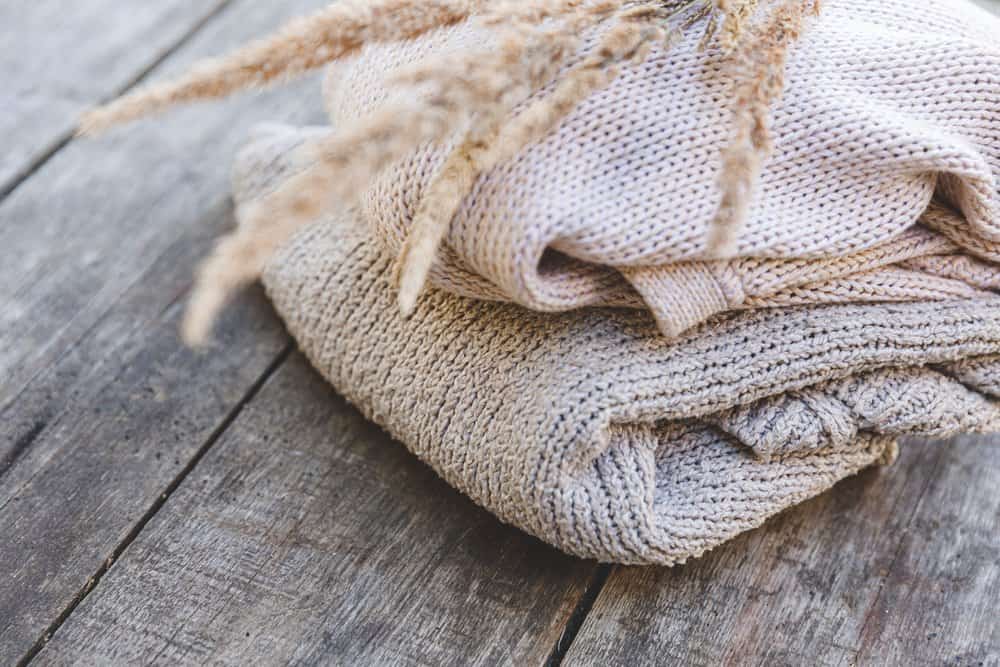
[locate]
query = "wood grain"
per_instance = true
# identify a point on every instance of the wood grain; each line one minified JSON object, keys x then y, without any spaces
{"x":101,"y":408}
{"x":307,"y":536}
{"x":91,"y":221}
{"x":121,"y":416}
{"x":163,"y":506}
{"x":60,"y":58}
{"x":940,"y":603}
{"x":805,"y":588}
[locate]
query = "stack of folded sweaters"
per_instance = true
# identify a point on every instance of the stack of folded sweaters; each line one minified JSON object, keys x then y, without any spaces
{"x":586,"y":372}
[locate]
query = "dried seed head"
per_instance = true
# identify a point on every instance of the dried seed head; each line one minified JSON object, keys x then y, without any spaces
{"x":302,"y":46}
{"x":477,"y":93}
{"x":757,"y":59}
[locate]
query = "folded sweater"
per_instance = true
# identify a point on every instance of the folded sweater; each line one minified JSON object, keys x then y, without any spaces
{"x":587,"y":371}
{"x":591,"y":430}
{"x":887,"y":105}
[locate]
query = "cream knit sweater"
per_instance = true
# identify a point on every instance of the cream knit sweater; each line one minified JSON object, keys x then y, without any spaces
{"x":887,"y":103}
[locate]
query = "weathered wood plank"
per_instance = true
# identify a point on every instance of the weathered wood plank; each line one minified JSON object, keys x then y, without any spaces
{"x":101,"y":409}
{"x":940,"y":604}
{"x":119,"y":419}
{"x":58,"y":58}
{"x":88,"y":223}
{"x":306,"y":536}
{"x":799,"y":590}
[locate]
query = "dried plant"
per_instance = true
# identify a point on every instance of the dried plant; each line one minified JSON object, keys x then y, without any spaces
{"x":480,"y":92}
{"x":757,"y":59}
{"x":302,"y":46}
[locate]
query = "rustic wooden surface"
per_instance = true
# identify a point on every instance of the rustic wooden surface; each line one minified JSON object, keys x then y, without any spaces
{"x":897,"y":566}
{"x":162,"y":506}
{"x":286,"y":546}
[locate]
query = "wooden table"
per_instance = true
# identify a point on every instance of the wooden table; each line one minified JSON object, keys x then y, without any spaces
{"x":162,"y":506}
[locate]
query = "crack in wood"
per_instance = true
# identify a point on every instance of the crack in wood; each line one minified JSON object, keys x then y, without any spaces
{"x":22,"y":444}
{"x":594,"y":587}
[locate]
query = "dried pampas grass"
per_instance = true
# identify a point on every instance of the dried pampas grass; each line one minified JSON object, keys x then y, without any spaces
{"x":303,"y":45}
{"x":482,"y":93}
{"x":758,"y":62}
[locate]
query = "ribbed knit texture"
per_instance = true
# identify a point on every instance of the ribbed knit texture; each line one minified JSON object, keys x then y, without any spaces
{"x":593,"y":431}
{"x":887,"y":102}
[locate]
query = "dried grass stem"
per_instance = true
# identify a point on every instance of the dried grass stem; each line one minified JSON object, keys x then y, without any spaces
{"x":474,"y":101}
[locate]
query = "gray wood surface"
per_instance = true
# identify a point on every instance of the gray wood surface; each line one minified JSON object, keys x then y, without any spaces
{"x":836,"y":581}
{"x":101,"y":408}
{"x":307,"y":536}
{"x":940,"y":603}
{"x":58,"y":58}
{"x":169,"y":507}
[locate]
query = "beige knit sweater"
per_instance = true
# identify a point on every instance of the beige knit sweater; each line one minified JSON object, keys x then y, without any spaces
{"x":590,"y":429}
{"x":887,"y":102}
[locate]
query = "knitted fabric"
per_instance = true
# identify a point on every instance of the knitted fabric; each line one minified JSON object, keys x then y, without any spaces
{"x":888,"y":103}
{"x":591,"y":430}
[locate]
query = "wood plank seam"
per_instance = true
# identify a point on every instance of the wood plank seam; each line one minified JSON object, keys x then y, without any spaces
{"x":98,"y":411}
{"x":222,"y":207}
{"x":23,"y":444}
{"x":307,"y":536}
{"x":835,"y":585}
{"x":64,"y":139}
{"x":94,"y":580}
{"x":25,"y":441}
{"x":583,"y":607}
